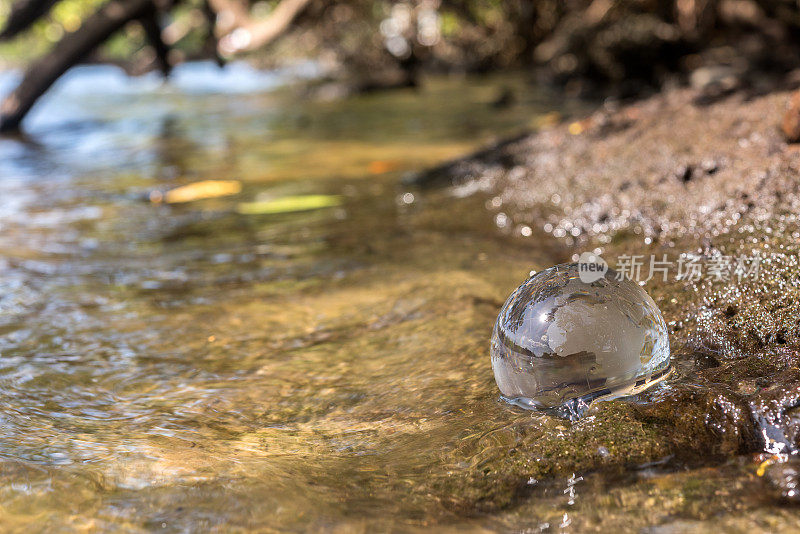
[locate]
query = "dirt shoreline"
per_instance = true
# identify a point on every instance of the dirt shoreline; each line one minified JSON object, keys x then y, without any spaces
{"x":664,"y":176}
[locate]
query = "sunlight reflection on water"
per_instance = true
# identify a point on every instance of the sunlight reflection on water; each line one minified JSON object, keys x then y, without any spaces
{"x":256,"y":369}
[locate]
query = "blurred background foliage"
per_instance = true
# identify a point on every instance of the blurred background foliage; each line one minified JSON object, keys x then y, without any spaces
{"x":617,"y":41}
{"x":125,"y":47}
{"x":66,"y":16}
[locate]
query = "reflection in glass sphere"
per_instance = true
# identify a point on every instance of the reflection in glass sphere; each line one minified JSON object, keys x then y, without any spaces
{"x":560,"y":343}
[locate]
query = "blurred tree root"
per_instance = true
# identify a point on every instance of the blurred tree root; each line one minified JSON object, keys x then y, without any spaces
{"x":591,"y":47}
{"x":244,"y":34}
{"x":248,"y":34}
{"x":70,"y":50}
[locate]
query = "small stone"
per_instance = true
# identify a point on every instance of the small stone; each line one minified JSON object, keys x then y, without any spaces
{"x":791,"y":119}
{"x":684,"y":173}
{"x":710,"y":166}
{"x":784,"y":478}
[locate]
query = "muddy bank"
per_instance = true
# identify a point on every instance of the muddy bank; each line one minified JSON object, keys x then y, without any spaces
{"x":686,"y":181}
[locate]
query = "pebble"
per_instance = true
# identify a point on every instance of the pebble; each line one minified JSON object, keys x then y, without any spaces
{"x":784,"y":479}
{"x":791,"y":119}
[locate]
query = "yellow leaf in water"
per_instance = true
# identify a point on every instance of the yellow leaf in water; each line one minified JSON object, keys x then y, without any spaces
{"x":381,"y":166}
{"x":576,"y":128}
{"x":200,"y":190}
{"x":548,"y":119}
{"x":762,"y":468}
{"x":289,"y":204}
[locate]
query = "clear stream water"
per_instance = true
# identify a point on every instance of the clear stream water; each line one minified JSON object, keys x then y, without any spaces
{"x":190,"y":367}
{"x":187,"y":366}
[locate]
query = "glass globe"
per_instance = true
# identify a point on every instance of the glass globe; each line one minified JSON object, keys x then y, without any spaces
{"x":561,"y":341}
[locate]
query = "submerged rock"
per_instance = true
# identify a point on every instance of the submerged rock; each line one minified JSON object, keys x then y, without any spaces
{"x":791,"y":120}
{"x":784,"y":480}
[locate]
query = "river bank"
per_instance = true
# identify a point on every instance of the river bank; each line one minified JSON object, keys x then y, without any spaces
{"x":680,"y":181}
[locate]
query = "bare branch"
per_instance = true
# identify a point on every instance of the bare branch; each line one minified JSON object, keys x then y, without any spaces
{"x":68,"y":51}
{"x":249,"y":34}
{"x":211,"y":42}
{"x":152,"y":29}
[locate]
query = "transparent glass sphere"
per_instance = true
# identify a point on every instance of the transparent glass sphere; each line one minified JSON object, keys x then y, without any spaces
{"x":563,"y":342}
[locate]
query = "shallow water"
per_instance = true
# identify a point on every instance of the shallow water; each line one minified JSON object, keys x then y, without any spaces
{"x":189,"y":366}
{"x":202,"y":366}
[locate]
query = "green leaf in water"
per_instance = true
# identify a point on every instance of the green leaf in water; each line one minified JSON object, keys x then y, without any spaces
{"x":288,"y":204}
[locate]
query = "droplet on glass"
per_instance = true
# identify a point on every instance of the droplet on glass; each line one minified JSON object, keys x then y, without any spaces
{"x":561,"y":342}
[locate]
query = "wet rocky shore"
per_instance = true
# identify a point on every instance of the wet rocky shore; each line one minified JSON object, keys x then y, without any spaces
{"x":685,"y":181}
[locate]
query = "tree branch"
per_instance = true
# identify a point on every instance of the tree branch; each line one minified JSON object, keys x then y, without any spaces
{"x":249,"y":34}
{"x":69,"y":50}
{"x":211,"y":42}
{"x":152,"y":30}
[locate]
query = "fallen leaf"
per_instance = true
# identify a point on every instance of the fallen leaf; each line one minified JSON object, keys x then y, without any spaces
{"x":576,"y":128}
{"x":548,"y":119}
{"x":288,"y":204}
{"x":199,"y":191}
{"x":381,"y":166}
